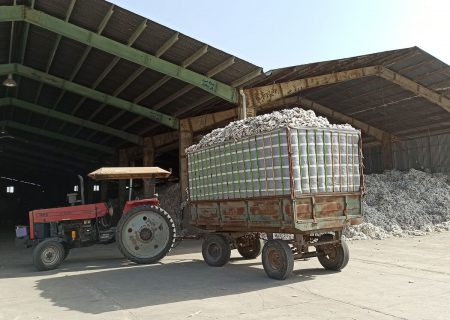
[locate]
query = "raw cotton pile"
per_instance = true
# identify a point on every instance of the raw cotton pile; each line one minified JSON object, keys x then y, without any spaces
{"x":170,"y":197}
{"x":403,"y":203}
{"x":295,"y":117}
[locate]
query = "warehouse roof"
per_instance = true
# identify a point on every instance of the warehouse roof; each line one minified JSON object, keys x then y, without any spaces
{"x":400,"y":108}
{"x":92,"y":77}
{"x":92,"y":71}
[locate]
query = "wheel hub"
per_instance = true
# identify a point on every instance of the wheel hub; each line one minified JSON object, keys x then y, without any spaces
{"x":49,"y":255}
{"x":274,"y":259}
{"x":145,"y":234}
{"x":214,"y":250}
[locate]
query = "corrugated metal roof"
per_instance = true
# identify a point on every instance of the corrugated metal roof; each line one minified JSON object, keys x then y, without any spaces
{"x":374,"y":100}
{"x":120,"y":27}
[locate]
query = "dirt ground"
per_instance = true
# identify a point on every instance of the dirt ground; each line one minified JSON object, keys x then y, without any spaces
{"x":406,"y":278}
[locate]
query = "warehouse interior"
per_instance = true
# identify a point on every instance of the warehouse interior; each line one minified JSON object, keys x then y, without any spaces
{"x":88,"y":84}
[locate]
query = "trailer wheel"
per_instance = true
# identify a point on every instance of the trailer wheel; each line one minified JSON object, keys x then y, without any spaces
{"x":333,"y":257}
{"x":277,"y":259}
{"x":216,"y":250}
{"x":145,"y":234}
{"x":249,"y":246}
{"x":48,"y":255}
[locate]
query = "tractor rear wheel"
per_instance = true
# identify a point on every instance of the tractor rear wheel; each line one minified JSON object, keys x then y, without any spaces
{"x":48,"y":255}
{"x":145,"y":234}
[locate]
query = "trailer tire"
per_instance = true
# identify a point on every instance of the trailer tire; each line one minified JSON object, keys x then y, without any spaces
{"x":216,"y":250}
{"x":48,"y":255}
{"x":277,"y":259}
{"x":249,"y":246}
{"x":333,"y":257}
{"x":145,"y":234}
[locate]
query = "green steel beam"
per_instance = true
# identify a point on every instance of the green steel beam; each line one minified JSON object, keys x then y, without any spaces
{"x":186,"y":62}
{"x":41,"y":155}
{"x":45,"y":166}
{"x":56,"y":136}
{"x":70,"y":152}
{"x":135,"y":35}
{"x":43,"y":20}
{"x":88,"y":92}
{"x":71,"y":119}
{"x":52,"y":57}
{"x":212,"y":72}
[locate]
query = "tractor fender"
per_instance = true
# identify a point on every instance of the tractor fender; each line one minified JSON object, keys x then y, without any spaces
{"x":137,"y":203}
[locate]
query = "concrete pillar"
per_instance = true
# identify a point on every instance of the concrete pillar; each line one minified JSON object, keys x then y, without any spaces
{"x":148,"y":160}
{"x":186,"y":137}
{"x":123,"y":162}
{"x":386,"y":149}
{"x":245,"y":111}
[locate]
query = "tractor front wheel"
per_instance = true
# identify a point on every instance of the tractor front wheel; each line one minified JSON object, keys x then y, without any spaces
{"x":145,"y":234}
{"x":48,"y":255}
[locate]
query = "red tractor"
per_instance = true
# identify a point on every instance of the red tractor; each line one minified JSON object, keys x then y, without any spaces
{"x":144,"y":234}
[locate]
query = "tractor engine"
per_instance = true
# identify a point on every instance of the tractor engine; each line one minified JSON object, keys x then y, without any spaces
{"x":76,"y":226}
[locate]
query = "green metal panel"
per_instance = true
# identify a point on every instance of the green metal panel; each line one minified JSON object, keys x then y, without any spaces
{"x":43,"y":20}
{"x":69,"y":118}
{"x":57,"y":136}
{"x":88,"y":92}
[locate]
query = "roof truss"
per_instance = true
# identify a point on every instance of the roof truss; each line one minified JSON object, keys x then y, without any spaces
{"x":260,"y":96}
{"x":71,"y":119}
{"x":95,"y":40}
{"x":56,"y":136}
{"x":88,"y":92}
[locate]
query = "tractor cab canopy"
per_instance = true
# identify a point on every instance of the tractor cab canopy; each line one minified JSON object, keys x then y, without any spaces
{"x":117,"y":173}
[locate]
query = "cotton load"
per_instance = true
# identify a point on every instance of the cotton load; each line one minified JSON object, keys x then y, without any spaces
{"x":287,"y":159}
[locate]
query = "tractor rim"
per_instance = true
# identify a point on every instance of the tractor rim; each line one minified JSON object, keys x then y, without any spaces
{"x":146,"y":234}
{"x":214,"y":251}
{"x":274,"y":259}
{"x":49,"y":256}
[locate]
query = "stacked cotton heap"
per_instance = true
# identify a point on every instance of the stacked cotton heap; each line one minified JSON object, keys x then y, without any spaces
{"x":236,"y":130}
{"x":170,"y":200}
{"x":403,"y":203}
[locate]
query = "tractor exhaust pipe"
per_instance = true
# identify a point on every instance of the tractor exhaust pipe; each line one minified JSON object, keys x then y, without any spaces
{"x":81,"y":188}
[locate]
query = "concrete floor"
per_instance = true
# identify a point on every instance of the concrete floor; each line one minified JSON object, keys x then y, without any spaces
{"x":389,"y":279}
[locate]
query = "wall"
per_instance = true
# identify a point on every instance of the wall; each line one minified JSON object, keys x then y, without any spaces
{"x":429,"y":152}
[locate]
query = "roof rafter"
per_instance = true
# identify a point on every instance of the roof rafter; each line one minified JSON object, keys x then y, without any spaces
{"x":34,"y":108}
{"x":43,"y":20}
{"x":84,"y":56}
{"x":364,"y":127}
{"x":217,"y":69}
{"x":85,"y":91}
{"x":41,"y":155}
{"x":260,"y":96}
{"x":140,"y":28}
{"x":125,"y":85}
{"x":45,"y":166}
{"x":56,"y":136}
{"x":251,"y":75}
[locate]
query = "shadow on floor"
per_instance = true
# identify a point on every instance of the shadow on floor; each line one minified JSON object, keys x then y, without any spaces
{"x":173,"y":281}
